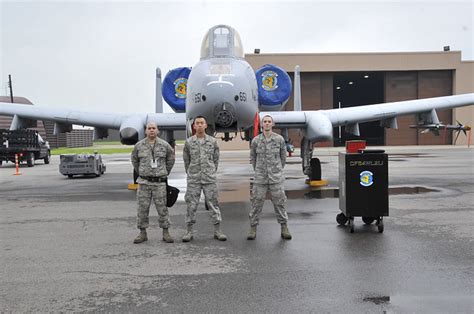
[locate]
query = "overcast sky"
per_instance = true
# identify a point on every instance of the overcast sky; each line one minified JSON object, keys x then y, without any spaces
{"x":102,"y":55}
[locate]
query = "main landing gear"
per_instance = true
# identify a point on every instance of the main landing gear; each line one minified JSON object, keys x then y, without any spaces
{"x":311,"y":166}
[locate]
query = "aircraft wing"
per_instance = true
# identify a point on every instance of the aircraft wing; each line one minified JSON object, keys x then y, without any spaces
{"x":105,"y":120}
{"x":130,"y":125}
{"x":319,"y":124}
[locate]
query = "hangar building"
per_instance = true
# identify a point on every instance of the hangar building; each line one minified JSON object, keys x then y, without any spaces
{"x":350,"y":79}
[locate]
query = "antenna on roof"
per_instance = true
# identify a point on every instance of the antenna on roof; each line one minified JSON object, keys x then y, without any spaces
{"x":10,"y":86}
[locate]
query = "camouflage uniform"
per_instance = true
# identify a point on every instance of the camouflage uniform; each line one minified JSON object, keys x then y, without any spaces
{"x":268,"y":159}
{"x":142,"y":157}
{"x":201,"y":159}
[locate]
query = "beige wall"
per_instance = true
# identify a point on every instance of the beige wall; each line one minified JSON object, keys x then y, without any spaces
{"x":344,"y":62}
{"x":464,"y":83}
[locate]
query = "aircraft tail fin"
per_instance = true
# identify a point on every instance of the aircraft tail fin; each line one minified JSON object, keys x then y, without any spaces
{"x":297,"y":95}
{"x":158,"y":95}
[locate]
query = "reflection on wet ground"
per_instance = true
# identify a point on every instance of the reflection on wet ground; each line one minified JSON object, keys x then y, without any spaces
{"x":411,"y":155}
{"x":410,"y":190}
{"x":405,"y":157}
{"x":377,"y":300}
{"x":334,"y":193}
{"x":234,"y":192}
{"x":298,"y":162}
{"x":310,"y":194}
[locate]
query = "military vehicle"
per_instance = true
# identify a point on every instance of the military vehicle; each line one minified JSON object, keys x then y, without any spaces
{"x":27,"y":144}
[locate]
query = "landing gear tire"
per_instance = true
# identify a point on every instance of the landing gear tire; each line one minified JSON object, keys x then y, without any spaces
{"x":380,"y":224}
{"x":351,"y":224}
{"x":341,"y":219}
{"x":47,"y":159}
{"x":69,"y":176}
{"x":368,"y":220}
{"x":30,"y":159}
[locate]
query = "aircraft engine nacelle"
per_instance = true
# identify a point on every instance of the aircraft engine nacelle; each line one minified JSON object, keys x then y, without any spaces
{"x":274,"y":87}
{"x":174,"y":88}
{"x":132,"y":130}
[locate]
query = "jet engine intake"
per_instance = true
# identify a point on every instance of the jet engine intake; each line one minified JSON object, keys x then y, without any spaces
{"x":132,"y":130}
{"x":129,"y":136}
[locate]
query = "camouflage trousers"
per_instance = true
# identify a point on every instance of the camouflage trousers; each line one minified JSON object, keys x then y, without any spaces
{"x":145,"y":194}
{"x":257,"y":198}
{"x":192,"y":197}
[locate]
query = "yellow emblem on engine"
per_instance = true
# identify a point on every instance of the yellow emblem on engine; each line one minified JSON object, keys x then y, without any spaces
{"x":180,"y":86}
{"x":269,"y":80}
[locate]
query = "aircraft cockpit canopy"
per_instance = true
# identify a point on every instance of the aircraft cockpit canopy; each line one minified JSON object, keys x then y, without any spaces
{"x":220,"y":42}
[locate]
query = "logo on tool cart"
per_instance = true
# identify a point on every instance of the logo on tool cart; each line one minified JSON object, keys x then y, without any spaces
{"x":180,"y":87}
{"x":269,"y":80}
{"x":366,"y":178}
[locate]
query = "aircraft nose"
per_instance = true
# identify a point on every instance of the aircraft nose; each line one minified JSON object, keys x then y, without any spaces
{"x":223,"y":99}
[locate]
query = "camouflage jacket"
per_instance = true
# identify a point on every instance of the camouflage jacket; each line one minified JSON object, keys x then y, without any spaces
{"x":201,"y":159}
{"x":268,"y":158}
{"x":142,"y":157}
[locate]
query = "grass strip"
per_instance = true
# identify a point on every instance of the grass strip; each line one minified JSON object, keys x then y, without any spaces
{"x":91,"y":150}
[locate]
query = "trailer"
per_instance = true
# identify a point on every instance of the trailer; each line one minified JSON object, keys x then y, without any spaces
{"x":81,"y":164}
{"x":26,"y":144}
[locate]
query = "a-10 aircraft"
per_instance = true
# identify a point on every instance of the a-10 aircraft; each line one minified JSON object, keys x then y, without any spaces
{"x":224,"y":89}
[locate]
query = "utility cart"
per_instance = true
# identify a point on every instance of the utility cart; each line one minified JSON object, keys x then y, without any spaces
{"x":363,"y":187}
{"x":81,"y":164}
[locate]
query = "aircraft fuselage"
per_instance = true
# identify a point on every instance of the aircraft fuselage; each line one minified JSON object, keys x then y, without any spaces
{"x":224,"y":91}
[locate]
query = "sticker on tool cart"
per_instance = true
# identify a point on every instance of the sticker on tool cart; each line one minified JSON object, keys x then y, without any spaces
{"x":366,"y":178}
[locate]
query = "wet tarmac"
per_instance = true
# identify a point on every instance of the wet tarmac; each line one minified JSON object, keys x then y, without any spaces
{"x":319,"y":193}
{"x":66,"y":244}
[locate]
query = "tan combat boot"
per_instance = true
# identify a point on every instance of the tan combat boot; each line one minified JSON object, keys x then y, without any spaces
{"x":285,"y":233}
{"x":188,"y":236}
{"x":253,"y":233}
{"x":218,"y":233}
{"x":166,"y":236}
{"x":142,"y":237}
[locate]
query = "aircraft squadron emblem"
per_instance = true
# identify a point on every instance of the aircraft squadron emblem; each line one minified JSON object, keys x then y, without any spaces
{"x":180,"y":85}
{"x":366,"y":178}
{"x":269,"y":80}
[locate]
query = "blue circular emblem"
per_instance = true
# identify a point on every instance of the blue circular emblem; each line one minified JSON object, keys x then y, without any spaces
{"x":366,"y":178}
{"x":269,"y":80}
{"x":180,"y":85}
